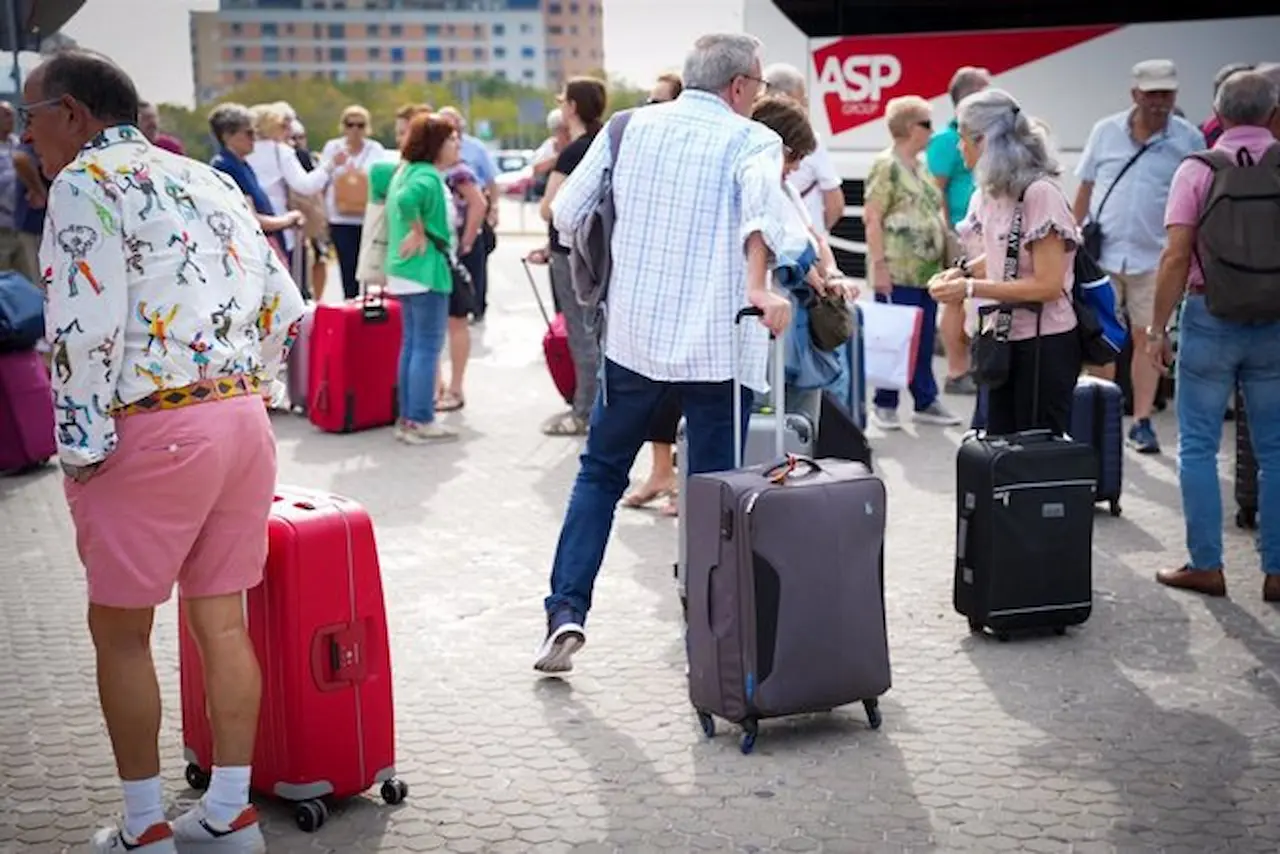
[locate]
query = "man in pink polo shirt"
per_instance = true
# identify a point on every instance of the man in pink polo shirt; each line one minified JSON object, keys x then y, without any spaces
{"x":1214,"y":354}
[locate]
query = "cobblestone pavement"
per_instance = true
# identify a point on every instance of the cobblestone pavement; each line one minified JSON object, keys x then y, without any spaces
{"x":1155,"y":727}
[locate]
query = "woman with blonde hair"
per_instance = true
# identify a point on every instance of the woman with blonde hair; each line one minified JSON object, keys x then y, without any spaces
{"x":347,"y":195}
{"x":276,"y":164}
{"x":906,"y":245}
{"x":1016,"y":176}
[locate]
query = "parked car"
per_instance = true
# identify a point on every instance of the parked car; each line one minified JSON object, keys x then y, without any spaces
{"x":512,"y":160}
{"x":517,"y":183}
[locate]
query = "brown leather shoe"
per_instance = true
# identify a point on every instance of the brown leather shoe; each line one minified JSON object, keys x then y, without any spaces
{"x":1271,"y":589}
{"x":1210,"y":582}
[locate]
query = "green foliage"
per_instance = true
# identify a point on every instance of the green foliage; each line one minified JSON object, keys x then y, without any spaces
{"x":320,"y":102}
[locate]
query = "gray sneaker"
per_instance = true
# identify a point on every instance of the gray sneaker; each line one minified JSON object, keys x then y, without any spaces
{"x":887,"y":419}
{"x":421,"y":434}
{"x":962,"y":384}
{"x":935,"y":413}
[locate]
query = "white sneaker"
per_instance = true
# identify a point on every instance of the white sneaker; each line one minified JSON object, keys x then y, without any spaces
{"x":157,"y":839}
{"x":887,"y":419}
{"x":937,"y":414}
{"x":421,"y":434}
{"x":196,"y":833}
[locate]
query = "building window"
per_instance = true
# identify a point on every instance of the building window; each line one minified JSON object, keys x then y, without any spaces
{"x":397,"y":54}
{"x":396,"y":30}
{"x":237,"y":52}
{"x":453,"y":54}
{"x":554,"y":30}
{"x":435,"y":75}
{"x":337,"y":54}
{"x":239,"y":75}
{"x":434,"y":55}
{"x":499,"y":29}
{"x":269,"y":30}
{"x":477,"y":53}
{"x":273,"y":74}
{"x":527,"y":52}
{"x":554,"y":9}
{"x":499,"y":53}
{"x":337,"y":31}
{"x":433,"y":29}
{"x":288,"y":29}
{"x":317,"y":32}
{"x":502,"y":74}
{"x":375,"y":53}
{"x":374,"y":29}
{"x":574,"y":9}
{"x":236,"y":29}
{"x":528,"y":74}
{"x":293,"y":54}
{"x":270,"y":53}
{"x":397,"y":76}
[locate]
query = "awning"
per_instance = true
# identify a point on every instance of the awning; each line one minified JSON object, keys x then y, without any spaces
{"x":36,"y":20}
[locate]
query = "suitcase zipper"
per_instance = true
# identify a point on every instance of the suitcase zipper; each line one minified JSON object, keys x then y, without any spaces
{"x":1002,"y":493}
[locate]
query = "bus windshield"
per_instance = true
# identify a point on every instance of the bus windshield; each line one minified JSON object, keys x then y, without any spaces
{"x":829,"y":18}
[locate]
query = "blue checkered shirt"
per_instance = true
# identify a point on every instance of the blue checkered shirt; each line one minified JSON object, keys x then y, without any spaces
{"x":693,"y":180}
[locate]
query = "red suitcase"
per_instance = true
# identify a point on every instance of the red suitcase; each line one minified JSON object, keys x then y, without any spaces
{"x":27,"y":437}
{"x":555,"y":346}
{"x":319,"y":628}
{"x":354,"y":364}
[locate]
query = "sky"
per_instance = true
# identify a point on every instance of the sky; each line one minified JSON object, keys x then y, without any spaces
{"x":642,"y":38}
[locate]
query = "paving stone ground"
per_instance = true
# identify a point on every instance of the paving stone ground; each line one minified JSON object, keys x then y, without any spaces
{"x":1155,"y":727}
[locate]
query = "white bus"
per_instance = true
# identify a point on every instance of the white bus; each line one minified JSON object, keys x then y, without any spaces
{"x":1067,"y":62}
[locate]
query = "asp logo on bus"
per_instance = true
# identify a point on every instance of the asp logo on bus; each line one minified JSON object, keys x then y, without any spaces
{"x":858,"y":75}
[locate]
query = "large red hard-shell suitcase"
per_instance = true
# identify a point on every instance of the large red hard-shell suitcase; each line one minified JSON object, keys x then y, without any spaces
{"x":318,"y":624}
{"x":27,"y":436}
{"x":555,"y":345}
{"x":354,"y":364}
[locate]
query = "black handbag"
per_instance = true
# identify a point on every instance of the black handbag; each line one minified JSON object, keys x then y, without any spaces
{"x":1091,"y":235}
{"x":992,"y":351}
{"x":830,"y":321}
{"x":461,"y":275}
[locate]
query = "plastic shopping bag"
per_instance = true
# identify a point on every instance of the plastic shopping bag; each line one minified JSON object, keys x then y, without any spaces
{"x":892,"y":337}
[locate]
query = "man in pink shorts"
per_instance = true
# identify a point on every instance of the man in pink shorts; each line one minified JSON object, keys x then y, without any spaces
{"x":168,"y":316}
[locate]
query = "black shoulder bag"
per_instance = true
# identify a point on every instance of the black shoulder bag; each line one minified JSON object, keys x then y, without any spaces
{"x":461,"y":275}
{"x":1091,"y":234}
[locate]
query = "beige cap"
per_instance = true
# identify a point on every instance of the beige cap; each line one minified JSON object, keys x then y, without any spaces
{"x":1155,"y":75}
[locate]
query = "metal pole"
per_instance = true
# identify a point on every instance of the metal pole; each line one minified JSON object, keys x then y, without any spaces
{"x":16,"y":73}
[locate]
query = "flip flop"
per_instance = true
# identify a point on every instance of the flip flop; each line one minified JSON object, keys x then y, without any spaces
{"x":449,"y":403}
{"x":643,"y":498}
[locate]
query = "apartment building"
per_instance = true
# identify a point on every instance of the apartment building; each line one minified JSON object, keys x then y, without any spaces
{"x":536,"y":42}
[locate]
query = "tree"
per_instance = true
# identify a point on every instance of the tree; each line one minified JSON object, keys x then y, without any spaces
{"x":319,"y":103}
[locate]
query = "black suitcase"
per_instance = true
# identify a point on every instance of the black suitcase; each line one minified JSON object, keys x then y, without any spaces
{"x":1246,"y":487}
{"x":1024,"y":538}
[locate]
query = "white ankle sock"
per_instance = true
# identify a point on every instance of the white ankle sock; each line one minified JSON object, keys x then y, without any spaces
{"x":228,"y":793}
{"x":143,"y":804}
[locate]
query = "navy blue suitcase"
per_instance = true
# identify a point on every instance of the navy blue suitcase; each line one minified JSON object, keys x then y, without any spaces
{"x":1097,"y":415}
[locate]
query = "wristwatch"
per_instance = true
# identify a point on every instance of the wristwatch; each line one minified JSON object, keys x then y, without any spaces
{"x":1153,"y":335}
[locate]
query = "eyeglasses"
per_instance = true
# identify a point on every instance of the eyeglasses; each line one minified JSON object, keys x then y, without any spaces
{"x":355,"y":125}
{"x":24,"y":110}
{"x":761,"y":84}
{"x":926,"y":124}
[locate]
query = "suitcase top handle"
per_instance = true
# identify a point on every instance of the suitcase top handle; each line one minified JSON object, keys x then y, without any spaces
{"x":786,"y":468}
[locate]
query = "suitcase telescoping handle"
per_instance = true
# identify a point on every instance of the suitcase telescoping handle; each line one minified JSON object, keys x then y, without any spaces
{"x":778,"y":393}
{"x":537,"y":294}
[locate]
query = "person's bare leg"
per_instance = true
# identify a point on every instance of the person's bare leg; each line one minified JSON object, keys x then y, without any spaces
{"x":319,"y":277}
{"x":1145,"y":377}
{"x":459,"y":353}
{"x":127,"y":687}
{"x":661,"y":480}
{"x":232,"y":678}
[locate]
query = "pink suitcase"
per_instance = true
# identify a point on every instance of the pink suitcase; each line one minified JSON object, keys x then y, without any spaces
{"x":326,"y":729}
{"x":27,"y":437}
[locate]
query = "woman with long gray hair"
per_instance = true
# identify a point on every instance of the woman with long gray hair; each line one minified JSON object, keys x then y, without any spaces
{"x":1016,"y":175}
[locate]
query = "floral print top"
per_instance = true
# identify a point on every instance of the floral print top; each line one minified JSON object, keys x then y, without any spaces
{"x":156,"y":276}
{"x":910,"y":204}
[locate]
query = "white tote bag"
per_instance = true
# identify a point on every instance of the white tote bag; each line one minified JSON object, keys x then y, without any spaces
{"x":372,"y":261}
{"x":891,"y":336}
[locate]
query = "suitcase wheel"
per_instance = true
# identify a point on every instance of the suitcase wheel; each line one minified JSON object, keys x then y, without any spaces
{"x":1114,"y":507}
{"x":1059,"y":630}
{"x":1247,"y":519}
{"x":310,"y":816}
{"x":708,"y":724}
{"x":874,"y":718}
{"x":750,"y":729}
{"x":1003,"y":637}
{"x":395,"y":791}
{"x":975,"y":626}
{"x":197,"y":777}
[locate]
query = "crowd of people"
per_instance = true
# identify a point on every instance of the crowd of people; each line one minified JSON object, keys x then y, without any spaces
{"x":719,"y":181}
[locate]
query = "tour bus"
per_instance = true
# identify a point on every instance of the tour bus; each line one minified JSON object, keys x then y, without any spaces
{"x":1068,"y":63}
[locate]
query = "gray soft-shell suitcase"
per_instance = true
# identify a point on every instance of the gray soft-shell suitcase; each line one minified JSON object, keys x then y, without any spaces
{"x":785,"y":589}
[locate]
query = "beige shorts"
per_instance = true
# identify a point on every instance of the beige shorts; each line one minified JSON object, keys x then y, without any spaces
{"x":1136,"y":294}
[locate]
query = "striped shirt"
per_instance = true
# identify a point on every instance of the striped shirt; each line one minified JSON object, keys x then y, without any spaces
{"x":692,"y":182}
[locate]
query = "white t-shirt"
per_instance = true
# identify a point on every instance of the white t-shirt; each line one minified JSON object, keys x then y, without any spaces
{"x":372,"y":152}
{"x":814,"y":177}
{"x":797,"y":231}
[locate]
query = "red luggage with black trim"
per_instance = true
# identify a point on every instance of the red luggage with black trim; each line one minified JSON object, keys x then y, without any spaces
{"x":318,"y":624}
{"x":353,"y":374}
{"x":555,"y":345}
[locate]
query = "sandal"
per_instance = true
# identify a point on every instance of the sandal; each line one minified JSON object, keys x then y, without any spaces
{"x":671,"y":509}
{"x":449,"y":402}
{"x":567,"y":424}
{"x":645,"y":496}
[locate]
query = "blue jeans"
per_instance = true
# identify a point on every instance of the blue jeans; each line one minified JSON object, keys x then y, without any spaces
{"x":425,"y":316}
{"x":1213,"y":355}
{"x":616,"y":434}
{"x":924,"y":389}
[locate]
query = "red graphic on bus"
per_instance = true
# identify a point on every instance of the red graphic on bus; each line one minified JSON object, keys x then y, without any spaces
{"x":857,"y":76}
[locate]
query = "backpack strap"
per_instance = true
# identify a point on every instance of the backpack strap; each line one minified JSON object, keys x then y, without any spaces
{"x":1214,"y":158}
{"x":617,"y":124}
{"x":1271,"y":157}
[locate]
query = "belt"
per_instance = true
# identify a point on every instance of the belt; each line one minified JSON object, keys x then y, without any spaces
{"x":201,"y":391}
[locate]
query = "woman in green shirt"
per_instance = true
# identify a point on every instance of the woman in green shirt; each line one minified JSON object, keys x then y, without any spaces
{"x":420,"y":241}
